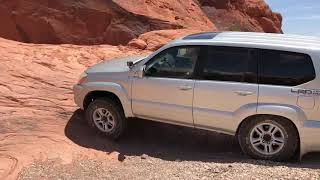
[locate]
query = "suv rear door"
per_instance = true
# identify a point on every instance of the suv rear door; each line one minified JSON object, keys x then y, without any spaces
{"x":286,"y":78}
{"x":227,"y":81}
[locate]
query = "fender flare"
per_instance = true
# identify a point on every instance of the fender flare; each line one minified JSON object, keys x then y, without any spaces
{"x":114,"y":88}
{"x":292,"y":113}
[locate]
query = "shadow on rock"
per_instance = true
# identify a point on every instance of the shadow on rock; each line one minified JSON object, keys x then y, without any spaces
{"x":169,"y":142}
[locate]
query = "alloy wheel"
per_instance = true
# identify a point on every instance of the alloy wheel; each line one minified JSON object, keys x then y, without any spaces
{"x":267,"y":138}
{"x":103,"y":119}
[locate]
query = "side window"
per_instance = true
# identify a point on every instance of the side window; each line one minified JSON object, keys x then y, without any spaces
{"x":176,"y":62}
{"x":229,"y":64}
{"x":285,"y":68}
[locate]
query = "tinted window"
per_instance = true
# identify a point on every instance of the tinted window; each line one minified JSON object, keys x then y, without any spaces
{"x":229,"y":64}
{"x":285,"y":68}
{"x":177,"y":62}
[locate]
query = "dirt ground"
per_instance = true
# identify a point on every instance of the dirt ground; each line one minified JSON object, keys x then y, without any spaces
{"x":153,"y":150}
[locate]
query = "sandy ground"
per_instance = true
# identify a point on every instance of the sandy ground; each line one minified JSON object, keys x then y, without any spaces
{"x":153,"y":150}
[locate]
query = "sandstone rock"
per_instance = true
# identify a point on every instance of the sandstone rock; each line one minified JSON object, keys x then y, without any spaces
{"x":155,"y":39}
{"x":268,"y":25}
{"x":186,"y":14}
{"x":36,"y":100}
{"x":117,"y":22}
{"x":8,"y":28}
{"x":138,"y":43}
{"x":218,"y":4}
{"x":242,"y":15}
{"x":144,"y":156}
{"x":96,"y":21}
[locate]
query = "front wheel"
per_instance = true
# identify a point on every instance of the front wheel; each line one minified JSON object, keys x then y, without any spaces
{"x":269,"y":138}
{"x":106,"y":117}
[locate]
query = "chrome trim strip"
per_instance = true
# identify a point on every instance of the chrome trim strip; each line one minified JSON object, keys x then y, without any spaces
{"x":311,"y":124}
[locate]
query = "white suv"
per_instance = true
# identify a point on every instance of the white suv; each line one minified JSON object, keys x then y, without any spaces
{"x":262,"y":88}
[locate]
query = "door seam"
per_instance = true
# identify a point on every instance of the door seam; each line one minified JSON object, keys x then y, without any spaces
{"x":194,"y":86}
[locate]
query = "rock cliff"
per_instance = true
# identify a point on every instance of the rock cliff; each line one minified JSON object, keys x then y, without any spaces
{"x":117,"y":22}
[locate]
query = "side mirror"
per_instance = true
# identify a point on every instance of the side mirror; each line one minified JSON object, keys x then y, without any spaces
{"x":140,"y":72}
{"x":130,"y":64}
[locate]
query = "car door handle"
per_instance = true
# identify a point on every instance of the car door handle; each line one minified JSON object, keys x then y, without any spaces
{"x":185,"y":87}
{"x":244,"y":93}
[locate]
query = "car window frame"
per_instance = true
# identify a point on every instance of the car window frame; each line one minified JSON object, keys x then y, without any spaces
{"x":192,"y":76}
{"x":201,"y":64}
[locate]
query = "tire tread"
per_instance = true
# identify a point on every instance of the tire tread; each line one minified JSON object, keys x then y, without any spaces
{"x":121,"y":122}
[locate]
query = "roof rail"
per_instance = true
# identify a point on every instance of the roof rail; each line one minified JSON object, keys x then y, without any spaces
{"x":205,"y":35}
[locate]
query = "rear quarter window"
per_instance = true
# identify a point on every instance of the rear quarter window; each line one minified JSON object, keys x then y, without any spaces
{"x":285,"y":68}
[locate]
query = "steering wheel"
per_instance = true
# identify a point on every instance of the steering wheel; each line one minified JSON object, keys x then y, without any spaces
{"x":166,"y":61}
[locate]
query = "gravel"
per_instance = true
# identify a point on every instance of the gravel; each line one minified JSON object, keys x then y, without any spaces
{"x":145,"y":167}
{"x":167,"y":152}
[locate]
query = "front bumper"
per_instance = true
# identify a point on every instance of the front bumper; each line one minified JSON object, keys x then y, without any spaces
{"x":78,"y":95}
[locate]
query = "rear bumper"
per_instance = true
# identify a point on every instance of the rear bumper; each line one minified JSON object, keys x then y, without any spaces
{"x":78,"y":95}
{"x":310,"y":137}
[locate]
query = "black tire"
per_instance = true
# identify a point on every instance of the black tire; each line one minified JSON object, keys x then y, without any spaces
{"x":117,"y":112}
{"x":291,"y":138}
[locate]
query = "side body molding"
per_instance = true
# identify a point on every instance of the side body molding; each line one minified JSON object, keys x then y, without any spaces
{"x":114,"y":88}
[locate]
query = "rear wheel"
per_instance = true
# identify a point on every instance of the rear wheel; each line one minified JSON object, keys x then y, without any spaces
{"x":269,"y":138}
{"x":106,"y":117}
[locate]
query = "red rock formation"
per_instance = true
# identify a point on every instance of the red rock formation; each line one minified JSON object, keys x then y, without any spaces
{"x":155,"y":39}
{"x":95,"y":21}
{"x":119,"y":21}
{"x":36,"y":100}
{"x":242,"y":15}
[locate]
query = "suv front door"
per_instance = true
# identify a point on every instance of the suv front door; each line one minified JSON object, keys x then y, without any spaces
{"x":165,"y":93}
{"x":227,"y":82}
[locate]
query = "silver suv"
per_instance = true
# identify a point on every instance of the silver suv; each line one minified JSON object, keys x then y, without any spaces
{"x":262,"y":88}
